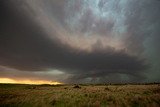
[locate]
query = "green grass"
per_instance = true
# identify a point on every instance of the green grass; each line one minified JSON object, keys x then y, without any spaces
{"x":13,"y":95}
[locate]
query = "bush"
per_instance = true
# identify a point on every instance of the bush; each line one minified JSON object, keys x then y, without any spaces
{"x":76,"y":86}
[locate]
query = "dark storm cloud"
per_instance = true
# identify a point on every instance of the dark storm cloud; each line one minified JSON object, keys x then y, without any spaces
{"x":56,"y":7}
{"x":26,"y":46}
{"x":22,"y":42}
{"x":88,"y":18}
{"x":142,"y":23}
{"x":97,"y":26}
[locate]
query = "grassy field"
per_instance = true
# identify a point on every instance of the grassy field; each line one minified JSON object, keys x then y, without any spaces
{"x":12,"y":95}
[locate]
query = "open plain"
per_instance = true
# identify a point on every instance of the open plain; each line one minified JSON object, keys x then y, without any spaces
{"x":19,"y":95}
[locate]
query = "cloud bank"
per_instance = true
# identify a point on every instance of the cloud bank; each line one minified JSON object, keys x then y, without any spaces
{"x":79,"y":41}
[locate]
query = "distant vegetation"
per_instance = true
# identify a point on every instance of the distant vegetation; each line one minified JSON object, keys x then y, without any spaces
{"x":83,"y":95}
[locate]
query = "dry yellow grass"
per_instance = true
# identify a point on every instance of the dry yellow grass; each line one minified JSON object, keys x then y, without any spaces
{"x":85,"y":96}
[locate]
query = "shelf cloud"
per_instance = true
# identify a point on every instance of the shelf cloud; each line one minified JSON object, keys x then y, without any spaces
{"x":80,"y":41}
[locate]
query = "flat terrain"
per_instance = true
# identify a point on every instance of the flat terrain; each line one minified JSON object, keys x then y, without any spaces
{"x":12,"y":95}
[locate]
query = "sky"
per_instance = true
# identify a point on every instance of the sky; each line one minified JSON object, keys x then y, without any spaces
{"x":80,"y":41}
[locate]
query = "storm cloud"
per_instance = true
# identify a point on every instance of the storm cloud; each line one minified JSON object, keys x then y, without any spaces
{"x":78,"y":41}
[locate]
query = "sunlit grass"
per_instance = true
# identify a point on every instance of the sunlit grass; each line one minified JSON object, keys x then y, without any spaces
{"x":85,"y":96}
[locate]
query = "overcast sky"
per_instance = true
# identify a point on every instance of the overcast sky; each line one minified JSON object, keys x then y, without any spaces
{"x":80,"y":41}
